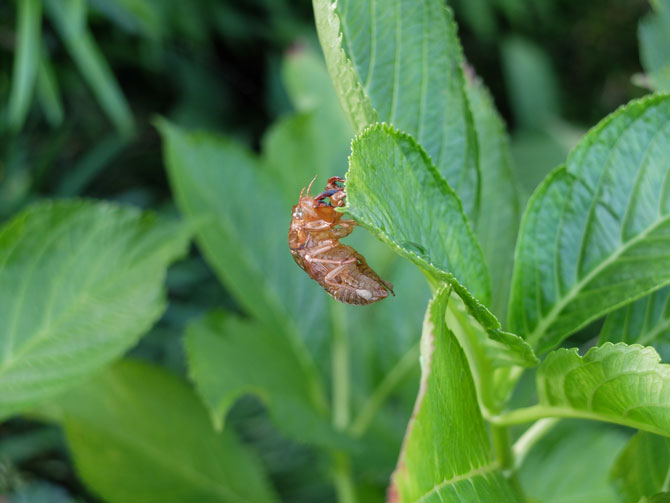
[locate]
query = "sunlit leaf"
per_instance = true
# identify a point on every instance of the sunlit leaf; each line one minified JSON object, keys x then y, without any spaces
{"x":400,"y":62}
{"x":80,"y":282}
{"x":446,"y":456}
{"x":622,"y":384}
{"x":596,"y":233}
{"x":138,"y":433}
{"x":395,"y":192}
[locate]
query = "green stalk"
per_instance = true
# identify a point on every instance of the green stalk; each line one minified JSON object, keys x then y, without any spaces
{"x":342,"y":476}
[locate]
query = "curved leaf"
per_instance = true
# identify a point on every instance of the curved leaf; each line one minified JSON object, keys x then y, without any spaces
{"x":596,"y":233}
{"x":138,"y":433}
{"x":229,"y":357}
{"x":400,"y":62}
{"x":642,"y":469}
{"x":446,"y":456}
{"x":617,"y":383}
{"x":645,"y":322}
{"x":80,"y":282}
{"x":395,"y":192}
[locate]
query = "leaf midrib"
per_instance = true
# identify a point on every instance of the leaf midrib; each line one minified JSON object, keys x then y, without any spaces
{"x":481,"y":471}
{"x":575,"y":290}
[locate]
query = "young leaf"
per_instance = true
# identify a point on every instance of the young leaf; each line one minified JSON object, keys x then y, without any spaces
{"x":446,"y":454}
{"x":645,"y":322}
{"x":26,"y":60}
{"x":596,"y":233}
{"x":500,"y":211}
{"x":80,"y":282}
{"x":229,"y":357}
{"x":642,"y":469}
{"x":395,"y":192}
{"x":400,"y":62}
{"x":138,"y":433}
{"x":617,"y":383}
{"x":567,"y":465}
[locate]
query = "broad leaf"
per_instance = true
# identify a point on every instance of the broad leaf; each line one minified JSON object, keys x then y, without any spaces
{"x":596,"y":233}
{"x":654,"y":35}
{"x":622,"y":384}
{"x":229,"y":357}
{"x":643,"y":467}
{"x":500,"y":211}
{"x":138,"y":433}
{"x":446,"y":456}
{"x":395,"y":192}
{"x":400,"y":62}
{"x":570,"y":464}
{"x":645,"y":321}
{"x":80,"y":282}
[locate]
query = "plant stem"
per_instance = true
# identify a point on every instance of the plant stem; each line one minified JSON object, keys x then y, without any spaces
{"x":340,"y":369}
{"x":342,"y":476}
{"x":503,"y":450}
{"x":392,"y":379}
{"x":344,"y":485}
{"x":530,"y":437}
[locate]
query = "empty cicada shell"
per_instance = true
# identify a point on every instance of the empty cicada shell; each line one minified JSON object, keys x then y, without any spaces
{"x":314,"y":240}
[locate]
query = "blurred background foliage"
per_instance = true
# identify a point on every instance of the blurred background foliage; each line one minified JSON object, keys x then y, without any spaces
{"x":82,"y":83}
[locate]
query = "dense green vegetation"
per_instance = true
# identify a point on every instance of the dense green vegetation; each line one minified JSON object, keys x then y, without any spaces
{"x":157,"y":342}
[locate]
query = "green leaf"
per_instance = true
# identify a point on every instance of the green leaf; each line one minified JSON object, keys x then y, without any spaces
{"x":229,"y":357}
{"x":80,"y":282}
{"x":567,"y":465}
{"x":500,"y":212}
{"x":446,"y":455}
{"x":400,"y":62}
{"x":642,"y":469}
{"x":138,"y":433}
{"x":219,"y":182}
{"x":645,"y":321}
{"x":48,"y":92}
{"x":394,"y":191}
{"x":617,"y":383}
{"x":595,"y":234}
{"x":657,"y":498}
{"x":69,"y":18}
{"x":531,"y":83}
{"x":654,"y":36}
{"x":26,"y":61}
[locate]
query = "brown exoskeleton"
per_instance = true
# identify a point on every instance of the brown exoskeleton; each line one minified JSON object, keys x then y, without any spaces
{"x":314,"y":240}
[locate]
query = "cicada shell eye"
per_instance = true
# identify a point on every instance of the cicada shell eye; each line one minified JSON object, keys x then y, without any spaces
{"x":298,"y":213}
